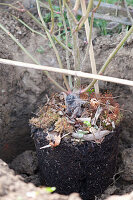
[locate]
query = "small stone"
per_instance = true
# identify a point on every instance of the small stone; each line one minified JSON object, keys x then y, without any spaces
{"x":25,"y":163}
{"x":31,"y":194}
{"x":51,"y":128}
{"x":60,"y":113}
{"x":77,"y":125}
{"x":127,"y":157}
{"x":28,"y":4}
{"x":3,"y":91}
{"x":74,"y":196}
{"x":61,"y":96}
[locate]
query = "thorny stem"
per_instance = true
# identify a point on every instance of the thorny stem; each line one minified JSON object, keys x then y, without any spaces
{"x":53,"y":45}
{"x":109,"y":59}
{"x":90,"y":46}
{"x":52,"y":16}
{"x":32,"y":58}
{"x":67,"y":53}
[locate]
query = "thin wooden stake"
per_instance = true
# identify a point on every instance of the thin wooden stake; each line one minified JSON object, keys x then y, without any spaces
{"x":67,"y":72}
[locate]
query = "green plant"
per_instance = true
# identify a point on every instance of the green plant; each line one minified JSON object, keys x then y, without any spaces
{"x":129,"y":2}
{"x":87,"y":123}
{"x":40,"y":50}
{"x":50,"y":189}
{"x":102,"y":25}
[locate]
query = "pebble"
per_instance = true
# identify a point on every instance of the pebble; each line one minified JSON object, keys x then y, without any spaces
{"x":127,"y":158}
{"x":60,"y":113}
{"x":29,"y":4}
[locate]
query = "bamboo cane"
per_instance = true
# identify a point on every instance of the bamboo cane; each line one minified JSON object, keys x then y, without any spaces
{"x":67,"y":72}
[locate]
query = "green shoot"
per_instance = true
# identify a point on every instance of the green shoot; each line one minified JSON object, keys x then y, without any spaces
{"x":87,"y":123}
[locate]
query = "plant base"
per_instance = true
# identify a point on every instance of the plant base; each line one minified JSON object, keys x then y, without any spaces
{"x":86,"y":167}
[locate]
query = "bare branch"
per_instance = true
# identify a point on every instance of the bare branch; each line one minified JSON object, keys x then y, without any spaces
{"x":110,"y":58}
{"x":67,"y":52}
{"x":90,"y":46}
{"x":52,"y":43}
{"x":29,"y":55}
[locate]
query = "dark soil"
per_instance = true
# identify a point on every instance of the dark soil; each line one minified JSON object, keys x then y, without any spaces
{"x":86,"y":168}
{"x":14,"y":188}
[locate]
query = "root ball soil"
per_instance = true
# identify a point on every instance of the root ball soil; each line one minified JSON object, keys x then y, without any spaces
{"x":84,"y":167}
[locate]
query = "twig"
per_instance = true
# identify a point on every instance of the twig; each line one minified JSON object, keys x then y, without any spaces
{"x":84,"y":18}
{"x":86,"y":56}
{"x":90,"y":46}
{"x":53,"y":45}
{"x":61,"y":44}
{"x":90,"y":34}
{"x":67,"y":53}
{"x":29,"y":55}
{"x":54,"y":37}
{"x":70,"y":12}
{"x":52,"y":16}
{"x":128,"y":12}
{"x":110,"y":58}
{"x":43,"y":5}
{"x":32,"y":30}
{"x":68,"y":72}
{"x":38,"y":23}
{"x":118,"y":3}
{"x":92,"y":18}
{"x":45,"y":147}
{"x":27,"y":26}
{"x":10,"y":5}
{"x":76,"y":6}
{"x":75,"y":42}
{"x":66,"y":135}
